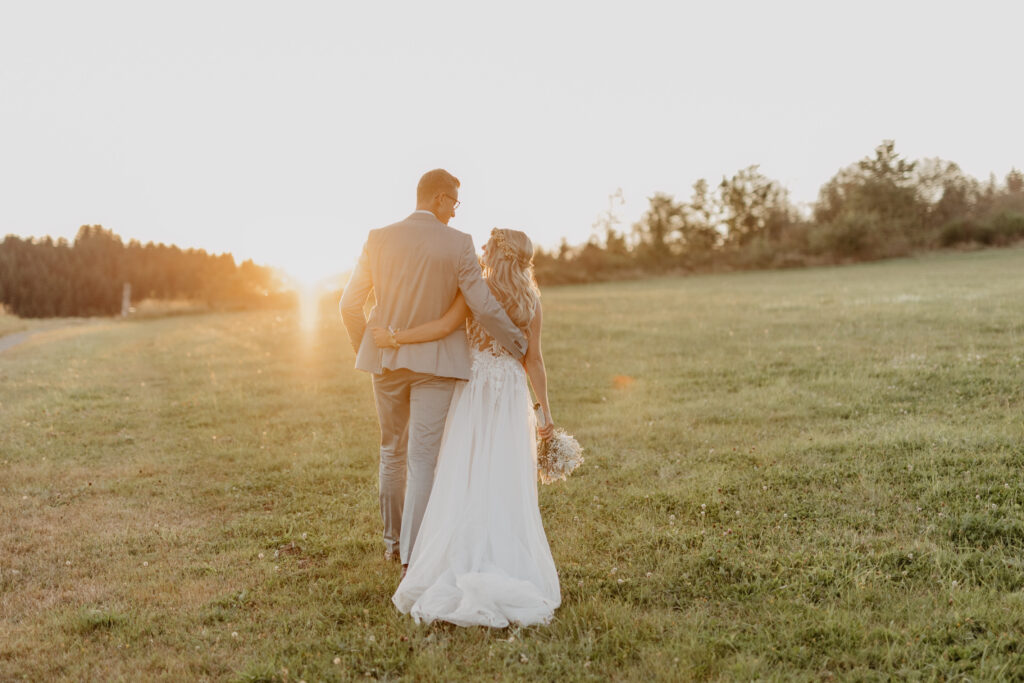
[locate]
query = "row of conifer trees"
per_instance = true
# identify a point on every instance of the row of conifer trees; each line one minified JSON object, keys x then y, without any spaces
{"x":46,"y":277}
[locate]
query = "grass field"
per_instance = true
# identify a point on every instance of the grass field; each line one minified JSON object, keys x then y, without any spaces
{"x":804,"y":474}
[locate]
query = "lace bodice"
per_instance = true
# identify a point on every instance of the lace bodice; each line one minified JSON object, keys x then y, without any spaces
{"x":492,"y":363}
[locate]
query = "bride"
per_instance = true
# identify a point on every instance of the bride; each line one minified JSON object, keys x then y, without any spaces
{"x":481,"y":556}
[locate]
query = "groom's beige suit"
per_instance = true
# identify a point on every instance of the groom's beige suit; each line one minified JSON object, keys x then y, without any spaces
{"x":415,"y":268}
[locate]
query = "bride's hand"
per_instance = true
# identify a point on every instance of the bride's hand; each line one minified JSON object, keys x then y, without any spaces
{"x":382,"y":338}
{"x":546,"y":431}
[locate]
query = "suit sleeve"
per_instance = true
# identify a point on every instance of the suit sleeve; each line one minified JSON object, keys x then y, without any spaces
{"x":354,"y":298}
{"x":486,"y":309}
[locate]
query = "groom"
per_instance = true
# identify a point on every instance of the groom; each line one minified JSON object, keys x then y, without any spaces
{"x":415,"y":268}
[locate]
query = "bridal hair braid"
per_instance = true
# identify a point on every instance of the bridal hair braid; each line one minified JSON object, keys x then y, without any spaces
{"x":508,"y":270}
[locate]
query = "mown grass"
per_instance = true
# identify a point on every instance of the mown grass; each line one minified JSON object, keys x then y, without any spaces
{"x":805,"y":474}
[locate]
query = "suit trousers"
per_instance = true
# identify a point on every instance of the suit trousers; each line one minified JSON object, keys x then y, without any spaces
{"x":411,"y":410}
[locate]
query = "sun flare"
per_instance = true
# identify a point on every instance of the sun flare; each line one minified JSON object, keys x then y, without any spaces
{"x":309,"y":306}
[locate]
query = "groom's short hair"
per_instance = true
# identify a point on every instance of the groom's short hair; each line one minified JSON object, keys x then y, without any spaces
{"x":435,"y":182}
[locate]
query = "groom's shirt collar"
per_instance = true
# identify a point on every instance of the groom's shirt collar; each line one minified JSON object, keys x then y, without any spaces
{"x":429,"y":213}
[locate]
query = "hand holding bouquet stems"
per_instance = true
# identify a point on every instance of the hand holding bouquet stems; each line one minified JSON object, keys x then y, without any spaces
{"x":558,"y":454}
{"x":545,"y":427}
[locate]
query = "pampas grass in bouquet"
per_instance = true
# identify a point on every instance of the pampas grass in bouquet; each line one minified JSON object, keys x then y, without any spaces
{"x":557,"y":456}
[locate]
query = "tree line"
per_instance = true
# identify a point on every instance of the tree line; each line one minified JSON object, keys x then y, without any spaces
{"x":882,"y":206}
{"x":45,"y":277}
{"x":879,"y":207}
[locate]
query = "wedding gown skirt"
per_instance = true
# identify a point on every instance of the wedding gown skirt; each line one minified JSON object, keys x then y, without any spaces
{"x":481,"y":556}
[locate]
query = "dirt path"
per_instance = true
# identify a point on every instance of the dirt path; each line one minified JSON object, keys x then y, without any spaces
{"x":9,"y":341}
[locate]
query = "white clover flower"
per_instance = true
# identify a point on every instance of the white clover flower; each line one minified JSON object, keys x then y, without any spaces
{"x":337,"y":661}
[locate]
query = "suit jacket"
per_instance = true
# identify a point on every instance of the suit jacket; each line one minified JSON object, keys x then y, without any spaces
{"x":415,"y":268}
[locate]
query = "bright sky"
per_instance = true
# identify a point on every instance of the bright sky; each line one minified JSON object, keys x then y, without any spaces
{"x":284,"y":131}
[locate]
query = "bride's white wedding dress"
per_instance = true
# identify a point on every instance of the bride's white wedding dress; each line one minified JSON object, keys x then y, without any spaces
{"x":481,"y":556}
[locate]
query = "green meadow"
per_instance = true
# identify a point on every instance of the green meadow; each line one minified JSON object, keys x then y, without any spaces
{"x":806,"y":474}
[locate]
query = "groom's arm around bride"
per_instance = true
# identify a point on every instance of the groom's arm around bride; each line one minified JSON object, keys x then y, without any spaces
{"x":415,"y":268}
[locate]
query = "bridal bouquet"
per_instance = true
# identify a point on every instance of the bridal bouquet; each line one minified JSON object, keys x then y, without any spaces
{"x":557,"y":456}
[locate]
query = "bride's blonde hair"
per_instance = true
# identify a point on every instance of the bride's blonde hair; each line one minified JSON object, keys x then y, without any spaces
{"x":508,"y":270}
